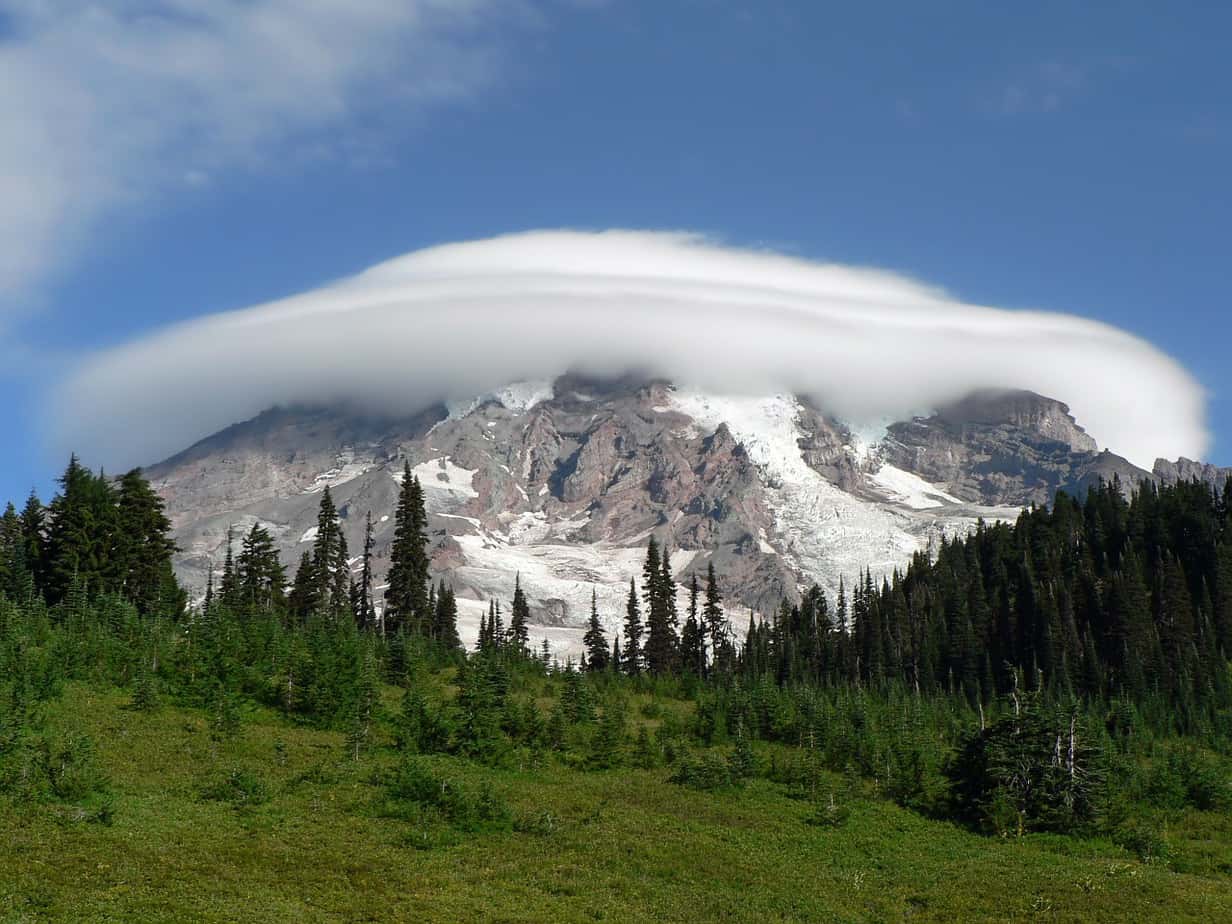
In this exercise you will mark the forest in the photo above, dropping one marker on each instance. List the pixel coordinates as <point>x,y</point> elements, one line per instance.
<point>1032,721</point>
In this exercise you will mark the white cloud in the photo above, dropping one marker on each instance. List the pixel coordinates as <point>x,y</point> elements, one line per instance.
<point>453,321</point>
<point>104,105</point>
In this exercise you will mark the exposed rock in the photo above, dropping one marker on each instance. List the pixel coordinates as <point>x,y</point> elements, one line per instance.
<point>1188,470</point>
<point>1004,448</point>
<point>563,483</point>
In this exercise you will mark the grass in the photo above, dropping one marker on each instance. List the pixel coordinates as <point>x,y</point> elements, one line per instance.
<point>278,825</point>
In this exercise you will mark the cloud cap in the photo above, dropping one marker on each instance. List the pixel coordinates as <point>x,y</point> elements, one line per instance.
<point>456,320</point>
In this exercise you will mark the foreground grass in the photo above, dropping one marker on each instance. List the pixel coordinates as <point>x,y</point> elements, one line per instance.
<point>619,845</point>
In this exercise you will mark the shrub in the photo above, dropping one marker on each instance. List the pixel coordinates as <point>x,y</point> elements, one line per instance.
<point>828,813</point>
<point>416,789</point>
<point>708,772</point>
<point>1186,778</point>
<point>240,787</point>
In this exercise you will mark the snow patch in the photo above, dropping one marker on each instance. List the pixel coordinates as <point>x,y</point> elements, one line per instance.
<point>310,534</point>
<point>520,397</point>
<point>442,475</point>
<point>909,489</point>
<point>346,468</point>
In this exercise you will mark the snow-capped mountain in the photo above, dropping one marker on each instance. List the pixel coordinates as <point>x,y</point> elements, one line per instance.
<point>563,482</point>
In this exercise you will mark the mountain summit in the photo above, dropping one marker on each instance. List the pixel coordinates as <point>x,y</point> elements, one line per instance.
<point>563,482</point>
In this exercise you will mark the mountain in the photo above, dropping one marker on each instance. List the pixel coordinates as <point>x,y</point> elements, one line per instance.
<point>563,482</point>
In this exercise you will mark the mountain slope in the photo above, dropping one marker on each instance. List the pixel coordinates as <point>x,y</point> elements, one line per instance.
<point>563,483</point>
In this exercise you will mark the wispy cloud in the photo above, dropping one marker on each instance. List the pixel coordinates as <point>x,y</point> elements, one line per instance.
<point>107,105</point>
<point>454,321</point>
<point>1045,88</point>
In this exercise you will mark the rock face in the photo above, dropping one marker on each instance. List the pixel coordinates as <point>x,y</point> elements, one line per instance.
<point>562,483</point>
<point>1188,470</point>
<point>1004,448</point>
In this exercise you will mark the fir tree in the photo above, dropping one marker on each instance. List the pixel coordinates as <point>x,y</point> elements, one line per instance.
<point>633,632</point>
<point>363,609</point>
<point>692,639</point>
<point>261,576</point>
<point>659,590</point>
<point>445,619</point>
<point>144,547</point>
<point>406,600</point>
<point>714,622</point>
<point>519,619</point>
<point>594,639</point>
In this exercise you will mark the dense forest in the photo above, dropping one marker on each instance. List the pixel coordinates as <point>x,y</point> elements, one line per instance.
<point>1067,673</point>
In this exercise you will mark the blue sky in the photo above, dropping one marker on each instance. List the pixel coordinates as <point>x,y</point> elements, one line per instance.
<point>1073,157</point>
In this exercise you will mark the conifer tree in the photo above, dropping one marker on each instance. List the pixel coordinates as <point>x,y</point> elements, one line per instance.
<point>633,632</point>
<point>659,590</point>
<point>594,639</point>
<point>262,578</point>
<point>445,621</point>
<point>303,601</point>
<point>144,549</point>
<point>229,585</point>
<point>81,535</point>
<point>714,622</point>
<point>519,619</point>
<point>406,600</point>
<point>363,609</point>
<point>12,553</point>
<point>33,531</point>
<point>692,639</point>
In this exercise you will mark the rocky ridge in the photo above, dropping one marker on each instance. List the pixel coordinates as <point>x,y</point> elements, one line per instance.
<point>563,482</point>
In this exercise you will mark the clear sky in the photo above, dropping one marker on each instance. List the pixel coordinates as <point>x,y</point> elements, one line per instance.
<point>158,164</point>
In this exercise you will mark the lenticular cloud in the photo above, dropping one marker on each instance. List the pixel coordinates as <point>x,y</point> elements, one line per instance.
<point>453,321</point>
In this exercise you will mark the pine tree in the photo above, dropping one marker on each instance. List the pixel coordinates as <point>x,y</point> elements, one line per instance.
<point>363,609</point>
<point>692,639</point>
<point>659,590</point>
<point>144,548</point>
<point>303,601</point>
<point>714,622</point>
<point>519,619</point>
<point>330,561</point>
<point>406,600</point>
<point>594,639</point>
<point>445,620</point>
<point>229,585</point>
<point>262,578</point>
<point>633,632</point>
<point>33,531</point>
<point>82,535</point>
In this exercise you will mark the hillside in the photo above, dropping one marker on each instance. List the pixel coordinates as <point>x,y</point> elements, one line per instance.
<point>562,483</point>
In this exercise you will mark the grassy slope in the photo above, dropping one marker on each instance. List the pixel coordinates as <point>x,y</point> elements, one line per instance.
<point>625,845</point>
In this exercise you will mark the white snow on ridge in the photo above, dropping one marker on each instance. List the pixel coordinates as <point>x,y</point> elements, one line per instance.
<point>822,531</point>
<point>442,475</point>
<point>910,490</point>
<point>347,468</point>
<point>522,396</point>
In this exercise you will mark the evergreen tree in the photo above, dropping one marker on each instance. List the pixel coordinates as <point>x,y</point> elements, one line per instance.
<point>594,639</point>
<point>406,600</point>
<point>81,537</point>
<point>261,576</point>
<point>692,639</point>
<point>363,609</point>
<point>633,632</point>
<point>714,622</point>
<point>304,601</point>
<point>659,590</point>
<point>519,619</point>
<point>144,547</point>
<point>445,620</point>
<point>33,531</point>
